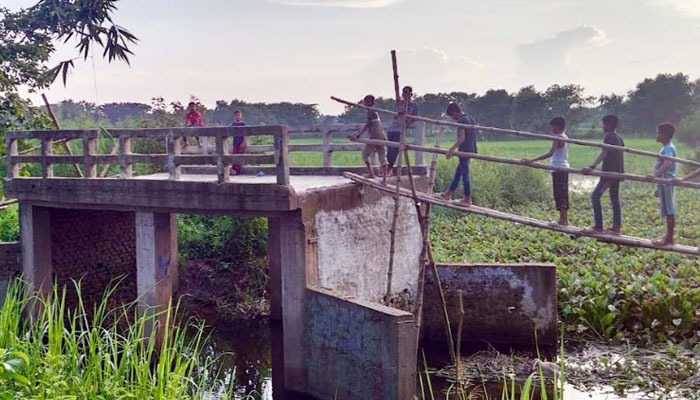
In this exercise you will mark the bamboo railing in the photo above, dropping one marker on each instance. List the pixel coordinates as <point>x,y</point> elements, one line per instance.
<point>532,135</point>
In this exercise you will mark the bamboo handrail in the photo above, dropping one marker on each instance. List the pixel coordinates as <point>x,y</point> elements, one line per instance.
<point>621,240</point>
<point>512,161</point>
<point>528,134</point>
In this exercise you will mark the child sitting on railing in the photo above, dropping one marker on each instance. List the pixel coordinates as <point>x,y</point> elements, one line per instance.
<point>666,169</point>
<point>376,131</point>
<point>559,157</point>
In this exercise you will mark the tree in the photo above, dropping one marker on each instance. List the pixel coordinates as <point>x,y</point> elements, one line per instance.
<point>567,101</point>
<point>492,109</point>
<point>117,112</point>
<point>529,107</point>
<point>666,97</point>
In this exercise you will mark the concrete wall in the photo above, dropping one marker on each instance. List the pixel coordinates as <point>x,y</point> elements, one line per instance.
<point>97,246</point>
<point>358,350</point>
<point>353,249</point>
<point>504,305</point>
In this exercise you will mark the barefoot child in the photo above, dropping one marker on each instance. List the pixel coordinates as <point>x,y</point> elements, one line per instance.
<point>613,161</point>
<point>666,169</point>
<point>193,119</point>
<point>466,142</point>
<point>559,157</point>
<point>376,131</point>
<point>239,142</point>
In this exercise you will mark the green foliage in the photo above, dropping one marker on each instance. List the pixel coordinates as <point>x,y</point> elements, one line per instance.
<point>688,130</point>
<point>497,185</point>
<point>64,354</point>
<point>225,239</point>
<point>9,224</point>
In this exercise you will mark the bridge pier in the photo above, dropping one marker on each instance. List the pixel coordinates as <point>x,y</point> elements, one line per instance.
<point>35,235</point>
<point>156,260</point>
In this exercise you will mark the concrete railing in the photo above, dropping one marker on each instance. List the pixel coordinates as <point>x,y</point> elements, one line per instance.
<point>176,155</point>
<point>173,159</point>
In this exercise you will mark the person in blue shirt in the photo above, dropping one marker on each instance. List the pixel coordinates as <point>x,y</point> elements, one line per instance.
<point>666,169</point>
<point>240,142</point>
<point>466,142</point>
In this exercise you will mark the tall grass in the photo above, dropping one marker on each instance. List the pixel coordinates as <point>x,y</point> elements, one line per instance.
<point>99,353</point>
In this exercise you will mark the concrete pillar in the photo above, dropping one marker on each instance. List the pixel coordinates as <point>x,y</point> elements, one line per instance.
<point>35,233</point>
<point>287,290</point>
<point>156,237</point>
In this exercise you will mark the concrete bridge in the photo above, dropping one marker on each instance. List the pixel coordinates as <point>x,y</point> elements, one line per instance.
<point>328,250</point>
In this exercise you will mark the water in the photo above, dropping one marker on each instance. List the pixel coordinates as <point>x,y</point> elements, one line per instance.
<point>243,352</point>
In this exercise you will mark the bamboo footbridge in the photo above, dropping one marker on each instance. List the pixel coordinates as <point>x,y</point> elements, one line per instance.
<point>429,199</point>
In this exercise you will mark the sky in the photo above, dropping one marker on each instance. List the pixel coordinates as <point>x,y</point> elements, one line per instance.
<point>307,50</point>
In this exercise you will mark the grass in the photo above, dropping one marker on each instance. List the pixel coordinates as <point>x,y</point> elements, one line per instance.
<point>99,353</point>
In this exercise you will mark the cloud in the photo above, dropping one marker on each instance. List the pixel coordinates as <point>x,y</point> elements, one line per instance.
<point>548,60</point>
<point>685,7</point>
<point>339,3</point>
<point>427,69</point>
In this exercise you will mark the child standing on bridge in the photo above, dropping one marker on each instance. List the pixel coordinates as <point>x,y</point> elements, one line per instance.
<point>466,142</point>
<point>666,169</point>
<point>613,161</point>
<point>559,157</point>
<point>240,142</point>
<point>193,119</point>
<point>392,153</point>
<point>376,131</point>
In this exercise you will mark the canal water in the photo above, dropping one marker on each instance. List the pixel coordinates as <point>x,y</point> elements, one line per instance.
<point>243,353</point>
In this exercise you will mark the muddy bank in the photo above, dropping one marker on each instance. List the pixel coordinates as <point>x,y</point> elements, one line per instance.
<point>220,292</point>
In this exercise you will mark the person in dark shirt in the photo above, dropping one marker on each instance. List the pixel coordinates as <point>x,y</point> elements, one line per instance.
<point>613,161</point>
<point>466,142</point>
<point>394,131</point>
<point>376,132</point>
<point>240,142</point>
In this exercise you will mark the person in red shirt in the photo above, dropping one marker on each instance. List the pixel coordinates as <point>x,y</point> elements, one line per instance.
<point>193,119</point>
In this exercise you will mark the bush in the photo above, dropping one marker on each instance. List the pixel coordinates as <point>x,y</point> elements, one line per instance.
<point>221,238</point>
<point>497,185</point>
<point>9,224</point>
<point>688,130</point>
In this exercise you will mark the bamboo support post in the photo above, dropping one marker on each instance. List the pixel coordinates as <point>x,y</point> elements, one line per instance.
<point>514,132</point>
<point>399,167</point>
<point>58,127</point>
<point>458,351</point>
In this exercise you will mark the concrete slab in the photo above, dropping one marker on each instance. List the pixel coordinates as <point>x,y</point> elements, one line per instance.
<point>298,183</point>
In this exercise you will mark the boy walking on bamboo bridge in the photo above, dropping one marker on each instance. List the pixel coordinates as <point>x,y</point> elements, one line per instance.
<point>376,131</point>
<point>466,142</point>
<point>666,169</point>
<point>613,161</point>
<point>394,129</point>
<point>559,157</point>
<point>240,142</point>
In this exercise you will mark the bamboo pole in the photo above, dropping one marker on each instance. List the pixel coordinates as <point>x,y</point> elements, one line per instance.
<point>459,341</point>
<point>512,161</point>
<point>58,127</point>
<point>424,213</point>
<point>621,240</point>
<point>392,246</point>
<point>692,163</point>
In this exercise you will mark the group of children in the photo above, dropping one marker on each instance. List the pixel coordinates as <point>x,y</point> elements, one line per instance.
<point>558,154</point>
<point>612,162</point>
<point>193,118</point>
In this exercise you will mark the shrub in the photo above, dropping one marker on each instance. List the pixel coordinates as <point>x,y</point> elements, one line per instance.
<point>497,185</point>
<point>688,130</point>
<point>222,238</point>
<point>9,224</point>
